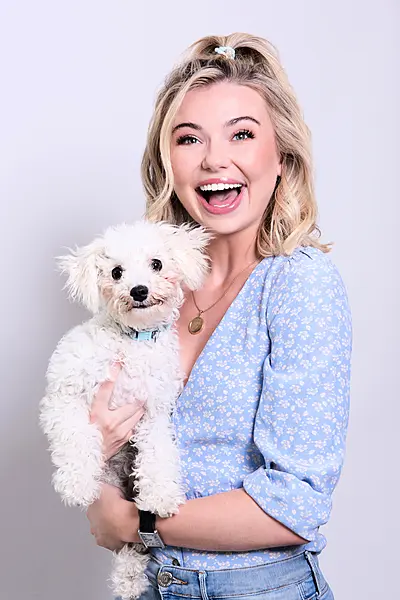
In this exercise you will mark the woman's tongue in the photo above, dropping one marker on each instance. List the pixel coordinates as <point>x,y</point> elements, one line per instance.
<point>223,197</point>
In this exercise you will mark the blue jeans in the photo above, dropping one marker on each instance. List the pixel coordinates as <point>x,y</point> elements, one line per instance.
<point>297,578</point>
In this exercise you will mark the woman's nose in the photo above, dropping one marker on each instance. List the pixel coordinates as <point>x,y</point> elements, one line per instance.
<point>216,157</point>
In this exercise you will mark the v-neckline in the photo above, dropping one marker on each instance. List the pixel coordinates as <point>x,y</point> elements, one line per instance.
<point>220,325</point>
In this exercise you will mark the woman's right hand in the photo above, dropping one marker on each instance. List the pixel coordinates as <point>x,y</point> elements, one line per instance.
<point>116,425</point>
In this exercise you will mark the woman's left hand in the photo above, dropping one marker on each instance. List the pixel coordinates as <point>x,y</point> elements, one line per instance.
<point>106,516</point>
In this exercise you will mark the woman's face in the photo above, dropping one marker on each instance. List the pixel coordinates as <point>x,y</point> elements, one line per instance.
<point>224,157</point>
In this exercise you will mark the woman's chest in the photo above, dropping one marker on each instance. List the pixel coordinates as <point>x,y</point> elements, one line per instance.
<point>221,395</point>
<point>215,320</point>
<point>191,345</point>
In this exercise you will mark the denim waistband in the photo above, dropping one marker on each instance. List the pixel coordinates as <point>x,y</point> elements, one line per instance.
<point>228,583</point>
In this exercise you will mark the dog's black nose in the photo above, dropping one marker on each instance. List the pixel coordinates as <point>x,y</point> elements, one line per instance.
<point>139,293</point>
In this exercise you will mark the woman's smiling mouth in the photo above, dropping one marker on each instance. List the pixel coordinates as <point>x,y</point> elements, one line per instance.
<point>220,197</point>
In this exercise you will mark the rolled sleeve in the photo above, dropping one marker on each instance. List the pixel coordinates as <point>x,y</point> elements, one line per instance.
<point>301,421</point>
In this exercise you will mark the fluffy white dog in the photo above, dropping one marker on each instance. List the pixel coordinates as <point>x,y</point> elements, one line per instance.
<point>132,279</point>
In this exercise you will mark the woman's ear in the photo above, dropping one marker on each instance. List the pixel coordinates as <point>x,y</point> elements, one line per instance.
<point>82,271</point>
<point>188,244</point>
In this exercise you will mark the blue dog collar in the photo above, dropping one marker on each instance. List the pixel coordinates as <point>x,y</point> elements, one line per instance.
<point>147,334</point>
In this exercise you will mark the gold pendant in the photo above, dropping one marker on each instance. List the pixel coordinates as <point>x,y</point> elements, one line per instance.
<point>196,325</point>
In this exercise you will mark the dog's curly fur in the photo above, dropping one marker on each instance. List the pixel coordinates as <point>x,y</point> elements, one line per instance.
<point>103,275</point>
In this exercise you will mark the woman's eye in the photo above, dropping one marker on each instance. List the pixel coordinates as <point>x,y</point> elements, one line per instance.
<point>156,264</point>
<point>244,134</point>
<point>117,273</point>
<point>186,140</point>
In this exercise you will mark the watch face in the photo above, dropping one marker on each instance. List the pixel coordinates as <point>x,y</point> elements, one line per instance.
<point>151,540</point>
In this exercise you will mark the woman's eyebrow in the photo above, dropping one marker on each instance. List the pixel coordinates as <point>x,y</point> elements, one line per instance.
<point>187,124</point>
<point>227,124</point>
<point>238,119</point>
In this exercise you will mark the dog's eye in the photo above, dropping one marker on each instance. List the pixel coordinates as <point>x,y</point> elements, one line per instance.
<point>156,264</point>
<point>117,273</point>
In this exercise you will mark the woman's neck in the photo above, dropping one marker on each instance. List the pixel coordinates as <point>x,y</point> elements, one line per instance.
<point>229,255</point>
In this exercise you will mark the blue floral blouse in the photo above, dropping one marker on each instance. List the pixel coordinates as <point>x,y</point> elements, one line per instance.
<point>266,405</point>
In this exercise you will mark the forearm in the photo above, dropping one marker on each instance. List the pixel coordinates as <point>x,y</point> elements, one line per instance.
<point>230,521</point>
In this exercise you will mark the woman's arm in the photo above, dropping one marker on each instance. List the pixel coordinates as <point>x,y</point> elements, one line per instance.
<point>230,521</point>
<point>301,423</point>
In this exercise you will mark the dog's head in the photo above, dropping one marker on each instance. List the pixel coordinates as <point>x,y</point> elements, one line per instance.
<point>137,272</point>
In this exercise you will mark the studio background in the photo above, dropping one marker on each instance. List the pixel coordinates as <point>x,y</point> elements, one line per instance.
<point>78,81</point>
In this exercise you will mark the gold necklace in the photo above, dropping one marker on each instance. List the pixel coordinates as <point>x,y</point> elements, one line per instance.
<point>196,325</point>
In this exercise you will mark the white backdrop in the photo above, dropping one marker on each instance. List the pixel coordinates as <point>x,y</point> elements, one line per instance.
<point>78,79</point>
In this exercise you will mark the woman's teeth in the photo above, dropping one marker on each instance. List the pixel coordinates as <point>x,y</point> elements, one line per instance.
<point>220,195</point>
<point>219,187</point>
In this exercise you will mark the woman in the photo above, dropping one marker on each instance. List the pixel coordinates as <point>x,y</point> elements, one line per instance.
<point>266,343</point>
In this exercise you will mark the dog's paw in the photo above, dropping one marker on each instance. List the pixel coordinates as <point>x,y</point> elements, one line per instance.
<point>164,507</point>
<point>163,513</point>
<point>73,491</point>
<point>128,575</point>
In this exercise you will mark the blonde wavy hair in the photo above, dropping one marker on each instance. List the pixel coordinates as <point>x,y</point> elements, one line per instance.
<point>290,217</point>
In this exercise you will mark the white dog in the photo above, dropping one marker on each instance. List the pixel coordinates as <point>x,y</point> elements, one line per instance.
<point>132,279</point>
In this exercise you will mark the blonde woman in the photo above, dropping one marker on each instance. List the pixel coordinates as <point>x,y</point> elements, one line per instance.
<point>266,343</point>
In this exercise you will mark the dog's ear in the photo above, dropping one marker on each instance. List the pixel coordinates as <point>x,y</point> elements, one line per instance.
<point>188,248</point>
<point>81,267</point>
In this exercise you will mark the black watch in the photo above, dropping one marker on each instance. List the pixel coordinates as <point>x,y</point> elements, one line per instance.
<point>147,531</point>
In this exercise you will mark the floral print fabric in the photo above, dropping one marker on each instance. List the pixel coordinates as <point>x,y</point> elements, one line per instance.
<point>266,405</point>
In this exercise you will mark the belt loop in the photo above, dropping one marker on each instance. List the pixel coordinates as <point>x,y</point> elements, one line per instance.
<point>203,589</point>
<point>314,570</point>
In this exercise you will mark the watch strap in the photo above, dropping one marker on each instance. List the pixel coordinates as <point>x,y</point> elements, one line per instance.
<point>147,533</point>
<point>147,521</point>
